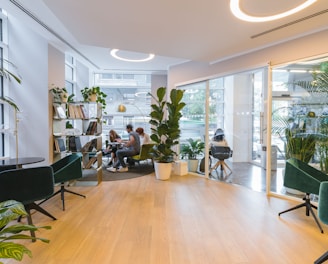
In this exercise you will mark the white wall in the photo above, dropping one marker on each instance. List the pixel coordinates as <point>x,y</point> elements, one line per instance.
<point>308,46</point>
<point>29,52</point>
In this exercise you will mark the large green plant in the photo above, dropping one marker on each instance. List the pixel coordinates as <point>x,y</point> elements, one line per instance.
<point>298,144</point>
<point>192,149</point>
<point>9,211</point>
<point>165,117</point>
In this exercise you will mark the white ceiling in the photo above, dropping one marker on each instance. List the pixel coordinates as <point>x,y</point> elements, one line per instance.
<point>174,30</point>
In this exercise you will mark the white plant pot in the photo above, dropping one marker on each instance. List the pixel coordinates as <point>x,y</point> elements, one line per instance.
<point>162,170</point>
<point>193,165</point>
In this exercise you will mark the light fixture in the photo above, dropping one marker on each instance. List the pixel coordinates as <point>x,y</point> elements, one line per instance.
<point>121,108</point>
<point>235,9</point>
<point>114,52</point>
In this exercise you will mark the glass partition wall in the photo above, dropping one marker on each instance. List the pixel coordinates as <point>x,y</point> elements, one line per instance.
<point>299,117</point>
<point>233,103</point>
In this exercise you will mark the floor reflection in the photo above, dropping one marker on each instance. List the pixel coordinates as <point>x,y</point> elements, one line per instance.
<point>251,176</point>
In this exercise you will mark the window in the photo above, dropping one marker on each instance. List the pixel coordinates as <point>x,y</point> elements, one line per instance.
<point>69,73</point>
<point>3,51</point>
<point>130,90</point>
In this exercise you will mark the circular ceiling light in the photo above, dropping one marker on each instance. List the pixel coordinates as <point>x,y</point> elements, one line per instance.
<point>235,9</point>
<point>114,52</point>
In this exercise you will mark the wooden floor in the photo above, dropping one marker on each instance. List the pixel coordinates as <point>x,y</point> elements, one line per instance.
<point>187,219</point>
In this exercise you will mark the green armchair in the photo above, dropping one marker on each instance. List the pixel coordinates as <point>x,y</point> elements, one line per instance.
<point>66,169</point>
<point>302,177</point>
<point>323,214</point>
<point>27,186</point>
<point>144,153</point>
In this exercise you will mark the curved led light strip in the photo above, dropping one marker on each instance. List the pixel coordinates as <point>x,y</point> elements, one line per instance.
<point>235,9</point>
<point>113,52</point>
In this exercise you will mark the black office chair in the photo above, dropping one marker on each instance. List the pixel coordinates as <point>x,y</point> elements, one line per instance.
<point>27,186</point>
<point>303,177</point>
<point>221,153</point>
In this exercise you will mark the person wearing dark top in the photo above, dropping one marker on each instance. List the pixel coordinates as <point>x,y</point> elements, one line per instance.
<point>130,148</point>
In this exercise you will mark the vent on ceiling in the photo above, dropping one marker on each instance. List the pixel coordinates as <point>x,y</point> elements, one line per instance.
<point>37,20</point>
<point>290,23</point>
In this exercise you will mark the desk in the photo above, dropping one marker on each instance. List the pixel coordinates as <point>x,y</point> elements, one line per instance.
<point>20,161</point>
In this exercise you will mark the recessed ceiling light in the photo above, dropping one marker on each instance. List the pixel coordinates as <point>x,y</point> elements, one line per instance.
<point>235,9</point>
<point>114,52</point>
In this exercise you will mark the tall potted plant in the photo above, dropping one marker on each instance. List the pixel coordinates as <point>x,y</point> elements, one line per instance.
<point>164,118</point>
<point>191,151</point>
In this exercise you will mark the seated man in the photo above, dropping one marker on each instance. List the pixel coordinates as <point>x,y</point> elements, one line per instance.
<point>130,148</point>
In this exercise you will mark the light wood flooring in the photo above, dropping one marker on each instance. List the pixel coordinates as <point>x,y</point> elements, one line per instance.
<point>187,219</point>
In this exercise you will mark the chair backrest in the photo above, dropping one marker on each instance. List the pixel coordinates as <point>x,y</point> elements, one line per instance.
<point>221,152</point>
<point>145,150</point>
<point>323,202</point>
<point>303,177</point>
<point>26,185</point>
<point>7,167</point>
<point>67,168</point>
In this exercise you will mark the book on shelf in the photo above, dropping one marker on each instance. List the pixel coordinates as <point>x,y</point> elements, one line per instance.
<point>59,111</point>
<point>59,145</point>
<point>74,144</point>
<point>71,112</point>
<point>90,162</point>
<point>84,111</point>
<point>92,128</point>
<point>90,146</point>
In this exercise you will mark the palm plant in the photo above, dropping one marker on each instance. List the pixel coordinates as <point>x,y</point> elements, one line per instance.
<point>298,144</point>
<point>192,149</point>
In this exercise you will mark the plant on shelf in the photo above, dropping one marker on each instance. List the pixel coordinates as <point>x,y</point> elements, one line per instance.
<point>94,94</point>
<point>60,95</point>
<point>164,118</point>
<point>9,211</point>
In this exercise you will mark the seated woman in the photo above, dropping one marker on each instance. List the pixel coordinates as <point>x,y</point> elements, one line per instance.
<point>218,139</point>
<point>144,137</point>
<point>113,137</point>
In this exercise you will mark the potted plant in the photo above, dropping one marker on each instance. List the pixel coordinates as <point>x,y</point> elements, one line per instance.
<point>94,94</point>
<point>11,210</point>
<point>164,118</point>
<point>60,94</point>
<point>191,151</point>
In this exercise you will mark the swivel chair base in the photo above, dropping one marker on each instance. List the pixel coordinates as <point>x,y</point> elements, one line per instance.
<point>62,190</point>
<point>309,209</point>
<point>322,259</point>
<point>28,208</point>
<point>223,167</point>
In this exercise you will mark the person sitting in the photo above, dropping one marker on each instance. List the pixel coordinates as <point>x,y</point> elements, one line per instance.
<point>144,137</point>
<point>218,139</point>
<point>113,137</point>
<point>130,148</point>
